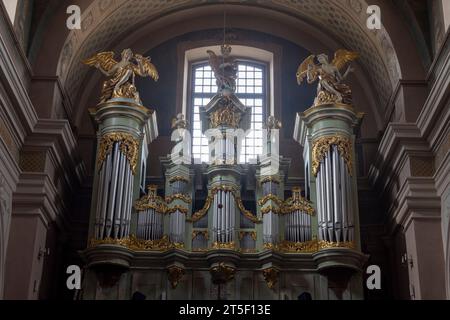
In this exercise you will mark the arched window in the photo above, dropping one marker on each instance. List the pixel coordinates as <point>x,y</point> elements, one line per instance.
<point>251,90</point>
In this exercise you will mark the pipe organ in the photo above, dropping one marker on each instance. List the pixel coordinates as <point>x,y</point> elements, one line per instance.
<point>226,217</point>
<point>297,217</point>
<point>150,214</point>
<point>333,187</point>
<point>123,126</point>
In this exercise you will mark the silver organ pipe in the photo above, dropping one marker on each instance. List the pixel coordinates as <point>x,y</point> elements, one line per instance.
<point>350,209</point>
<point>324,201</point>
<point>318,206</point>
<point>336,194</point>
<point>215,218</point>
<point>115,194</point>
<point>298,221</point>
<point>119,214</point>
<point>232,216</point>
<point>222,215</point>
<point>334,202</point>
<point>113,186</point>
<point>329,185</point>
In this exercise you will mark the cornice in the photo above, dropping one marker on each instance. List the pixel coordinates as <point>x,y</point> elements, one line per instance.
<point>416,198</point>
<point>36,194</point>
<point>16,74</point>
<point>439,77</point>
<point>399,140</point>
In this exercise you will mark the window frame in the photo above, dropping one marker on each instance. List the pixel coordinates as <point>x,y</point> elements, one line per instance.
<point>191,95</point>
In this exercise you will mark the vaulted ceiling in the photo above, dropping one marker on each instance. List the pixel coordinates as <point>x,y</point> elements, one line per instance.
<point>387,55</point>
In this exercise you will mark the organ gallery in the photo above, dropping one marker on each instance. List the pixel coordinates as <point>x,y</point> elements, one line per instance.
<point>224,150</point>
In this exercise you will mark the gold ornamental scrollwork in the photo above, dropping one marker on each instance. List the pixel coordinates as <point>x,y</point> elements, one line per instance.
<point>225,116</point>
<point>224,245</point>
<point>272,179</point>
<point>151,201</point>
<point>270,208</point>
<point>251,233</point>
<point>129,146</point>
<point>178,178</point>
<point>136,244</point>
<point>310,246</point>
<point>271,277</point>
<point>268,197</point>
<point>202,212</point>
<point>174,276</point>
<point>323,144</point>
<point>297,203</point>
<point>173,209</point>
<point>183,197</point>
<point>196,233</point>
<point>222,273</point>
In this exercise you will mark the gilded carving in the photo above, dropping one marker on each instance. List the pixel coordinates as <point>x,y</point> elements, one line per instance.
<point>173,209</point>
<point>136,244</point>
<point>270,208</point>
<point>272,179</point>
<point>183,197</point>
<point>151,201</point>
<point>199,214</point>
<point>330,89</point>
<point>323,144</point>
<point>195,233</point>
<point>224,245</point>
<point>310,246</point>
<point>174,275</point>
<point>251,233</point>
<point>129,146</point>
<point>297,202</point>
<point>178,178</point>
<point>271,197</point>
<point>271,277</point>
<point>122,73</point>
<point>227,115</point>
<point>222,273</point>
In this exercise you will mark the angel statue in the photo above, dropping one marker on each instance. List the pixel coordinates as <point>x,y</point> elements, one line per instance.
<point>121,74</point>
<point>179,122</point>
<point>225,70</point>
<point>330,88</point>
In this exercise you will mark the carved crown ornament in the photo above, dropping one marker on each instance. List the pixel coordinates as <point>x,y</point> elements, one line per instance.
<point>294,203</point>
<point>323,144</point>
<point>152,201</point>
<point>237,198</point>
<point>128,145</point>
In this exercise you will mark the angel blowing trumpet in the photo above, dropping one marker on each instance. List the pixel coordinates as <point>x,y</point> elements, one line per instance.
<point>330,88</point>
<point>121,74</point>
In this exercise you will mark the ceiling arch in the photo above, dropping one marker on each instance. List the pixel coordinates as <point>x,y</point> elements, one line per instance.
<point>105,21</point>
